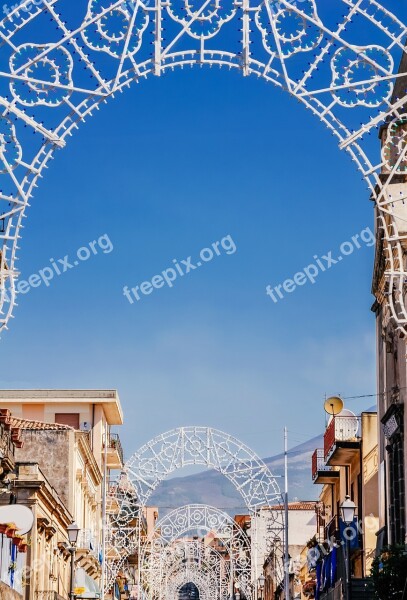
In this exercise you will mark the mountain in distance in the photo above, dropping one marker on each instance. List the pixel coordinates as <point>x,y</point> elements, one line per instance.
<point>210,487</point>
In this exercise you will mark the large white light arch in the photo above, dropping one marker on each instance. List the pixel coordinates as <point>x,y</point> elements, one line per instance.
<point>174,450</point>
<point>202,520</point>
<point>207,586</point>
<point>339,58</point>
<point>185,561</point>
<point>208,447</point>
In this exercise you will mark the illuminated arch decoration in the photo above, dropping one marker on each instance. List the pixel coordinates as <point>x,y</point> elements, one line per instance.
<point>187,561</point>
<point>340,59</point>
<point>161,457</point>
<point>207,447</point>
<point>199,520</point>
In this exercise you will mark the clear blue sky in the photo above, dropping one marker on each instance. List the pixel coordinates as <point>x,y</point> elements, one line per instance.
<point>166,169</point>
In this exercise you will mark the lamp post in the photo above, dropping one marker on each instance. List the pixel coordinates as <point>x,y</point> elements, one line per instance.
<point>73,531</point>
<point>348,510</point>
<point>261,581</point>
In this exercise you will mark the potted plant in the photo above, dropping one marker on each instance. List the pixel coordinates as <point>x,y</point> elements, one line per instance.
<point>312,543</point>
<point>308,588</point>
<point>17,540</point>
<point>3,528</point>
<point>389,573</point>
<point>23,547</point>
<point>11,529</point>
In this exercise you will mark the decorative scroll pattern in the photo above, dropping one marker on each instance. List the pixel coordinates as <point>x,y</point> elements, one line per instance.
<point>341,61</point>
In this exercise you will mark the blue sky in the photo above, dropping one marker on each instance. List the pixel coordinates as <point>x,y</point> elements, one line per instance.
<point>168,168</point>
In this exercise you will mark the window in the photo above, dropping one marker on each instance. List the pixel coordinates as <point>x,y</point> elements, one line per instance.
<point>71,419</point>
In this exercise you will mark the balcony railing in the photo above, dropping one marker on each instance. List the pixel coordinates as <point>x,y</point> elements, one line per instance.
<point>340,429</point>
<point>318,463</point>
<point>88,541</point>
<point>114,446</point>
<point>332,529</point>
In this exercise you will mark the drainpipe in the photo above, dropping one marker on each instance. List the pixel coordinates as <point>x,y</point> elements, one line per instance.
<point>360,509</point>
<point>93,425</point>
<point>104,489</point>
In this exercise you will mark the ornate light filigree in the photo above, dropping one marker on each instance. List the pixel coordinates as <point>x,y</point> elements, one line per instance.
<point>152,464</point>
<point>201,521</point>
<point>186,561</point>
<point>340,59</point>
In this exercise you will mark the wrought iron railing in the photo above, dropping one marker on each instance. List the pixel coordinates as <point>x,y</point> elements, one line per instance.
<point>87,540</point>
<point>318,463</point>
<point>340,429</point>
<point>115,443</point>
<point>332,529</point>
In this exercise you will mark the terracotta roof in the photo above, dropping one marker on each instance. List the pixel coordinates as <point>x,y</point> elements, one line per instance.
<point>297,506</point>
<point>38,425</point>
<point>5,417</point>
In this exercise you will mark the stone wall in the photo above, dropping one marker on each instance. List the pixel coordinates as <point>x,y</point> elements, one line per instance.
<point>51,450</point>
<point>6,593</point>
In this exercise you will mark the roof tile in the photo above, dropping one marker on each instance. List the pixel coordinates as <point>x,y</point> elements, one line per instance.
<point>27,424</point>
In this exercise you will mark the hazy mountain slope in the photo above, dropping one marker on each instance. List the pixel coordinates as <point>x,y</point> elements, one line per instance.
<point>209,487</point>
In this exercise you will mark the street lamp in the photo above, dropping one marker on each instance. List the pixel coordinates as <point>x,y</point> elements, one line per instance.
<point>348,510</point>
<point>261,581</point>
<point>237,593</point>
<point>73,531</point>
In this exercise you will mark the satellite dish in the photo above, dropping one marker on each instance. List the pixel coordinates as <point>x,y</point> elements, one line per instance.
<point>333,405</point>
<point>20,515</point>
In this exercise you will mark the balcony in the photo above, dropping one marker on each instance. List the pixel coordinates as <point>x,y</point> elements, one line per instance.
<point>332,530</point>
<point>88,543</point>
<point>115,459</point>
<point>342,440</point>
<point>321,472</point>
<point>112,501</point>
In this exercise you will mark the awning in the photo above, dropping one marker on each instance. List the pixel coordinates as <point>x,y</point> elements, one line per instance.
<point>18,514</point>
<point>85,586</point>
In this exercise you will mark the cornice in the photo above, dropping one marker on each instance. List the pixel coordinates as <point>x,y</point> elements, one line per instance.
<point>90,460</point>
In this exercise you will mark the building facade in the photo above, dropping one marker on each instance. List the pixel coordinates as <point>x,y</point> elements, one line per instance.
<point>268,561</point>
<point>391,347</point>
<point>346,466</point>
<point>12,547</point>
<point>63,470</point>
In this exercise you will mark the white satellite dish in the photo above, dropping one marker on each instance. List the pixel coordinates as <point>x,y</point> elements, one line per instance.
<point>20,515</point>
<point>346,429</point>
